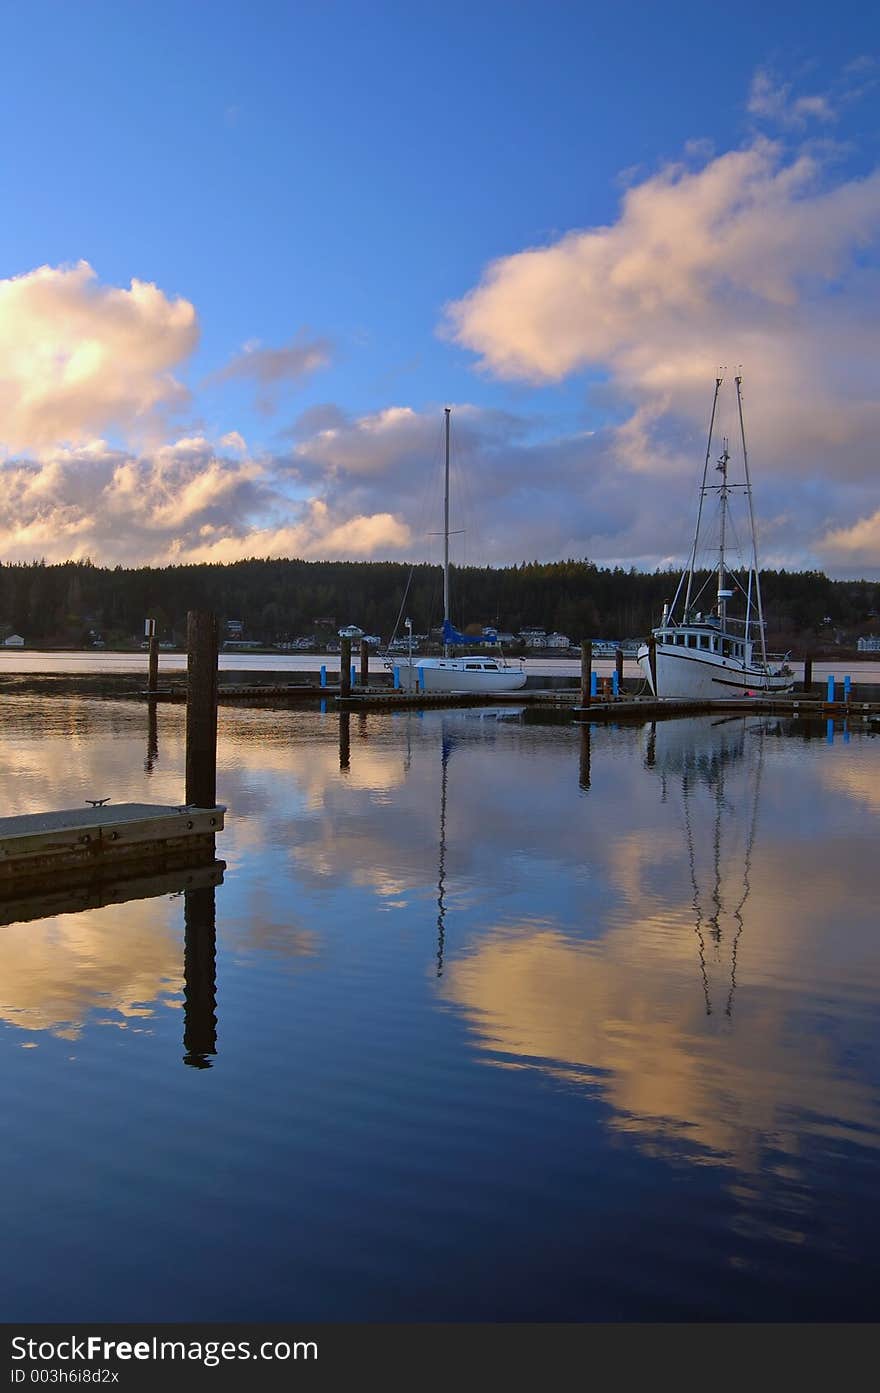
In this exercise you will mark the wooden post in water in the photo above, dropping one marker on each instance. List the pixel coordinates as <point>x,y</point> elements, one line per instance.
<point>808,672</point>
<point>618,668</point>
<point>201,709</point>
<point>153,661</point>
<point>586,670</point>
<point>345,668</point>
<point>365,663</point>
<point>199,977</point>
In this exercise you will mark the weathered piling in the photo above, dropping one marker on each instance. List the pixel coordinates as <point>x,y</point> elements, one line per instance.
<point>345,668</point>
<point>586,671</point>
<point>808,672</point>
<point>618,668</point>
<point>153,656</point>
<point>201,709</point>
<point>199,977</point>
<point>365,663</point>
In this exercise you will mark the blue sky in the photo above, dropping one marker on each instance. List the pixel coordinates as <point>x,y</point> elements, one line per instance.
<point>328,178</point>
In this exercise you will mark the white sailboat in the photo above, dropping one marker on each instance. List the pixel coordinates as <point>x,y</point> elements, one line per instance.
<point>473,672</point>
<point>700,653</point>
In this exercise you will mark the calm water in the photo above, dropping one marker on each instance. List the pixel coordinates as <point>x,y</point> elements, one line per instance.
<point>512,1022</point>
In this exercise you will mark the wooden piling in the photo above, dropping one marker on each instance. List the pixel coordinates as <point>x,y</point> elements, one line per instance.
<point>618,667</point>
<point>345,668</point>
<point>808,672</point>
<point>586,670</point>
<point>365,663</point>
<point>201,709</point>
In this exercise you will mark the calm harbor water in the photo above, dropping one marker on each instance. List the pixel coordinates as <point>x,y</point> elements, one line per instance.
<point>511,1021</point>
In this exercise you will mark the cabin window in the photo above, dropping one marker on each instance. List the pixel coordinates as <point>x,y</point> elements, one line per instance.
<point>473,667</point>
<point>725,648</point>
<point>691,640</point>
<point>490,667</point>
<point>704,640</point>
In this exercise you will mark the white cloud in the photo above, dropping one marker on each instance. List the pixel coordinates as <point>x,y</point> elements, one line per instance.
<point>78,358</point>
<point>758,258</point>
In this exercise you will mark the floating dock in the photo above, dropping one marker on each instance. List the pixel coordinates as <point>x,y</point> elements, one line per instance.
<point>82,845</point>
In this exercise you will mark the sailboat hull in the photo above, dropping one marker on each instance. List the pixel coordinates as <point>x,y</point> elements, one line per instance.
<point>684,675</point>
<point>460,675</point>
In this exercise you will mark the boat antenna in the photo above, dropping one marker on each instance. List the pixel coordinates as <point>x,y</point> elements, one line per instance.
<point>742,431</point>
<point>723,592</point>
<point>448,411</point>
<point>687,598</point>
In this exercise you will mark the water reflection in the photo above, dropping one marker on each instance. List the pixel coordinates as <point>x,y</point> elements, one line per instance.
<point>614,1007</point>
<point>489,990</point>
<point>200,977</point>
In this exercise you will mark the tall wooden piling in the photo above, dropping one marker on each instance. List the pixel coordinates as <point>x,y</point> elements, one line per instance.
<point>199,977</point>
<point>808,672</point>
<point>201,709</point>
<point>586,670</point>
<point>345,668</point>
<point>365,663</point>
<point>618,667</point>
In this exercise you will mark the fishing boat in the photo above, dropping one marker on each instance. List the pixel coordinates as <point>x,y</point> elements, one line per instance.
<point>699,652</point>
<point>472,672</point>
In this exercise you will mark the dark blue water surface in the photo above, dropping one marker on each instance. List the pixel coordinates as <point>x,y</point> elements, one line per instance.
<point>507,1021</point>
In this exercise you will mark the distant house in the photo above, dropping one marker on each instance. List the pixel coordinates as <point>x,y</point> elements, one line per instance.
<point>14,641</point>
<point>351,631</point>
<point>869,644</point>
<point>557,641</point>
<point>235,628</point>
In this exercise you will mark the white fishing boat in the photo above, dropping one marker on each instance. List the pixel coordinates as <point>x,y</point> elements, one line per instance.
<point>699,652</point>
<point>472,672</point>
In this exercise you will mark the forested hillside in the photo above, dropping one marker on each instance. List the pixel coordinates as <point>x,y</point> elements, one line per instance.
<point>278,600</point>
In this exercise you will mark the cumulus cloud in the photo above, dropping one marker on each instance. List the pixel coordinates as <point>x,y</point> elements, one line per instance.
<point>78,358</point>
<point>182,502</point>
<point>759,257</point>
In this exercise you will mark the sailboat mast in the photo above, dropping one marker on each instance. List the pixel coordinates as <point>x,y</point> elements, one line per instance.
<point>687,598</point>
<point>447,409</point>
<point>742,431</point>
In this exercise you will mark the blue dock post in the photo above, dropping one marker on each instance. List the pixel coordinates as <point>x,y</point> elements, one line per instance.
<point>420,679</point>
<point>830,686</point>
<point>397,679</point>
<point>847,687</point>
<point>615,684</point>
<point>353,674</point>
<point>323,674</point>
<point>594,684</point>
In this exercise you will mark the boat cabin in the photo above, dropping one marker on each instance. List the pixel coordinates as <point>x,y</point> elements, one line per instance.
<point>709,640</point>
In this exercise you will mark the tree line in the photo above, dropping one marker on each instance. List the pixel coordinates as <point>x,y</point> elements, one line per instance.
<point>70,603</point>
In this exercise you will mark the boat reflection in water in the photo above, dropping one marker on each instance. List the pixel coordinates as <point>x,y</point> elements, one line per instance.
<point>698,1052</point>
<point>714,784</point>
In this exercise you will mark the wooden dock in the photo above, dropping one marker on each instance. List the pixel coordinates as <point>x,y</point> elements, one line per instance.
<point>81,845</point>
<point>658,708</point>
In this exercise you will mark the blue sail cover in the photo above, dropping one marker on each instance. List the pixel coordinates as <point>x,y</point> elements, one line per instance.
<point>451,635</point>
